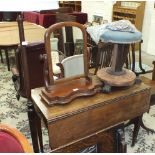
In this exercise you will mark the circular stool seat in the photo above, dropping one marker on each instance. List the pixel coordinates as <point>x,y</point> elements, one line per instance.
<point>121,37</point>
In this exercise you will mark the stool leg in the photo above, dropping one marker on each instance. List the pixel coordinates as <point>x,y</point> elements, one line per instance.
<point>7,59</point>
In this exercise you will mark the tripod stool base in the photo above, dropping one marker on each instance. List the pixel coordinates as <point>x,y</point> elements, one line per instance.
<point>126,79</point>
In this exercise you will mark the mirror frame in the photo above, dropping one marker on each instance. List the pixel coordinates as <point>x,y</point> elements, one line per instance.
<point>48,69</point>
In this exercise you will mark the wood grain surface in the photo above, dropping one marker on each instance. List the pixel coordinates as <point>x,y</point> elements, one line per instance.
<point>10,35</point>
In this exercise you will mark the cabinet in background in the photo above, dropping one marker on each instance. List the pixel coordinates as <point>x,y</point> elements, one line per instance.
<point>75,5</point>
<point>130,10</point>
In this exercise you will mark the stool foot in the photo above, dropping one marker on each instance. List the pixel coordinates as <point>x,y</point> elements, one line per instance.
<point>106,88</point>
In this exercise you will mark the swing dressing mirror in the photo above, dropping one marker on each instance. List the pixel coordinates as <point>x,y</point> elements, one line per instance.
<point>70,38</point>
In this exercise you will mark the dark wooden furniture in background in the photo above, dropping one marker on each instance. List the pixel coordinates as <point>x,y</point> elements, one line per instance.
<point>34,71</point>
<point>130,10</point>
<point>10,16</point>
<point>131,60</point>
<point>10,37</point>
<point>75,5</point>
<point>25,73</point>
<point>47,18</point>
<point>103,56</point>
<point>85,117</point>
<point>68,47</point>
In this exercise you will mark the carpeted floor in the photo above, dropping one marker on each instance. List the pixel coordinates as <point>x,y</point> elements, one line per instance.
<point>14,113</point>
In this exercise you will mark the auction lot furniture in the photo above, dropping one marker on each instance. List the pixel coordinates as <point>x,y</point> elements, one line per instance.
<point>10,36</point>
<point>133,11</point>
<point>25,75</point>
<point>82,120</point>
<point>48,18</point>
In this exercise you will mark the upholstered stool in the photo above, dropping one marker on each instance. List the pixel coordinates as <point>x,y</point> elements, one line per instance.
<point>116,75</point>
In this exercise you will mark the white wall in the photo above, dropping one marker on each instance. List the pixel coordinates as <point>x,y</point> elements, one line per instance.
<point>146,22</point>
<point>104,8</point>
<point>28,5</point>
<point>149,29</point>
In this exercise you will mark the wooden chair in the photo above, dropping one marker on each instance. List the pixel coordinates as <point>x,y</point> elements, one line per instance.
<point>13,141</point>
<point>7,50</point>
<point>93,48</point>
<point>104,53</point>
<point>137,67</point>
<point>8,16</point>
<point>103,56</point>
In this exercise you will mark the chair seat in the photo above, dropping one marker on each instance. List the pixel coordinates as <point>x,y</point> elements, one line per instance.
<point>8,144</point>
<point>13,141</point>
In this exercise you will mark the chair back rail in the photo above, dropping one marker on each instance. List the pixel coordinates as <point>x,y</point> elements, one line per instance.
<point>13,133</point>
